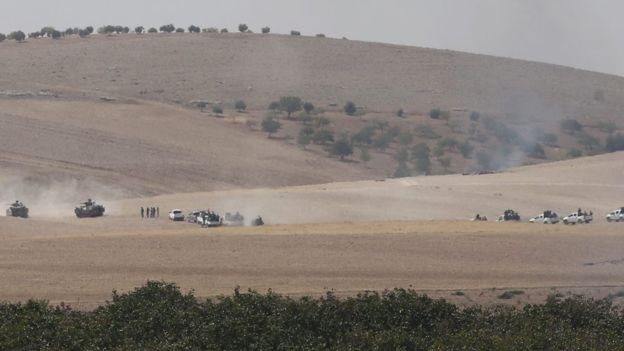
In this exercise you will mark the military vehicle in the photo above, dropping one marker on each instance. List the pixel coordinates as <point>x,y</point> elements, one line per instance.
<point>616,215</point>
<point>209,219</point>
<point>17,209</point>
<point>578,217</point>
<point>547,217</point>
<point>258,221</point>
<point>89,209</point>
<point>509,215</point>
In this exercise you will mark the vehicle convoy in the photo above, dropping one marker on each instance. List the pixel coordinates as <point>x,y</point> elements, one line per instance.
<point>234,220</point>
<point>176,215</point>
<point>209,219</point>
<point>578,217</point>
<point>192,216</point>
<point>509,215</point>
<point>616,215</point>
<point>547,217</point>
<point>89,209</point>
<point>17,209</point>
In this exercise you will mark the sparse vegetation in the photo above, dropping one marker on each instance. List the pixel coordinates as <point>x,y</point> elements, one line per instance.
<point>434,113</point>
<point>365,155</point>
<point>466,149</point>
<point>139,30</point>
<point>243,28</point>
<point>571,126</point>
<point>168,28</point>
<point>179,30</point>
<point>510,294</point>
<point>217,109</point>
<point>295,32</point>
<point>18,36</point>
<point>240,105</point>
<point>350,108</point>
<point>194,29</point>
<point>308,107</point>
<point>484,159</point>
<point>323,136</point>
<point>270,124</point>
<point>266,30</point>
<point>474,116</point>
<point>152,30</point>
<point>574,153</point>
<point>615,142</point>
<point>425,131</point>
<point>534,150</point>
<point>290,104</point>
<point>420,158</point>
<point>224,30</point>
<point>342,148</point>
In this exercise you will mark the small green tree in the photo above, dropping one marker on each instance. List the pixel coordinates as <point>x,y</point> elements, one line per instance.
<point>224,30</point>
<point>350,108</point>
<point>179,30</point>
<point>270,125</point>
<point>571,126</point>
<point>18,36</point>
<point>152,30</point>
<point>342,147</point>
<point>194,29</point>
<point>434,113</point>
<point>70,31</point>
<point>365,155</point>
<point>420,157</point>
<point>217,109</point>
<point>89,29</point>
<point>274,105</point>
<point>139,30</point>
<point>484,159</point>
<point>266,30</point>
<point>405,138</point>
<point>290,104</point>
<point>323,136</point>
<point>168,28</point>
<point>240,105</point>
<point>445,162</point>
<point>242,28</point>
<point>466,149</point>
<point>126,30</point>
<point>308,107</point>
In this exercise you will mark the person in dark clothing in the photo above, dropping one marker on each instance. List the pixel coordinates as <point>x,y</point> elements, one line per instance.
<point>157,212</point>
<point>142,212</point>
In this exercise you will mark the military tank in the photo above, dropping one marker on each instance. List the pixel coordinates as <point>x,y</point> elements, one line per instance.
<point>89,209</point>
<point>17,209</point>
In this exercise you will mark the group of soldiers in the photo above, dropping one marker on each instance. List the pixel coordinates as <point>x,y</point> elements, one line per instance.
<point>150,212</point>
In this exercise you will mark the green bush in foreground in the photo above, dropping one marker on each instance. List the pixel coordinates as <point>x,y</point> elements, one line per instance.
<point>160,316</point>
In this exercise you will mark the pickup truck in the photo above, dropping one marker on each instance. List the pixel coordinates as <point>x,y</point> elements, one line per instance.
<point>616,215</point>
<point>578,217</point>
<point>547,217</point>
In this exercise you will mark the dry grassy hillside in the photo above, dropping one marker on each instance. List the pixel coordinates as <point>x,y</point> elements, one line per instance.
<point>260,68</point>
<point>121,110</point>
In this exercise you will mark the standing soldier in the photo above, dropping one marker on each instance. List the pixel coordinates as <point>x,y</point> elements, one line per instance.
<point>157,211</point>
<point>142,212</point>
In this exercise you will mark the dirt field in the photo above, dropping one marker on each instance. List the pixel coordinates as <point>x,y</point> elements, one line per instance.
<point>382,239</point>
<point>81,262</point>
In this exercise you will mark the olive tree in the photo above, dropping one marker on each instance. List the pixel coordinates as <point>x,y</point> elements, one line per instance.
<point>139,30</point>
<point>242,28</point>
<point>290,104</point>
<point>270,124</point>
<point>342,148</point>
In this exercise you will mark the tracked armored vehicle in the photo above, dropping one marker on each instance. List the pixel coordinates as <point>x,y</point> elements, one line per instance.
<point>89,209</point>
<point>17,209</point>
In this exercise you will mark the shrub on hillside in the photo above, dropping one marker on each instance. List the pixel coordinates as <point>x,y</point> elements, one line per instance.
<point>588,141</point>
<point>308,107</point>
<point>194,29</point>
<point>434,113</point>
<point>571,126</point>
<point>534,150</point>
<point>224,30</point>
<point>152,30</point>
<point>242,28</point>
<point>405,138</point>
<point>425,131</point>
<point>383,141</point>
<point>240,105</point>
<point>270,124</point>
<point>466,149</point>
<point>321,121</point>
<point>350,108</point>
<point>290,104</point>
<point>18,36</point>
<point>365,155</point>
<point>179,30</point>
<point>139,30</point>
<point>342,148</point>
<point>167,28</point>
<point>420,158</point>
<point>615,142</point>
<point>401,171</point>
<point>266,30</point>
<point>323,136</point>
<point>217,109</point>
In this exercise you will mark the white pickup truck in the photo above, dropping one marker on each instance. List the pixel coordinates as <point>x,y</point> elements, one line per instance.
<point>616,215</point>
<point>547,217</point>
<point>578,218</point>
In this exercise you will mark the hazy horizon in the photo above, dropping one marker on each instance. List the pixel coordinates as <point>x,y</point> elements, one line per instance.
<point>577,33</point>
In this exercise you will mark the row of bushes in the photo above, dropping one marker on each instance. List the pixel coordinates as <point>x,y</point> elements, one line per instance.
<point>159,316</point>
